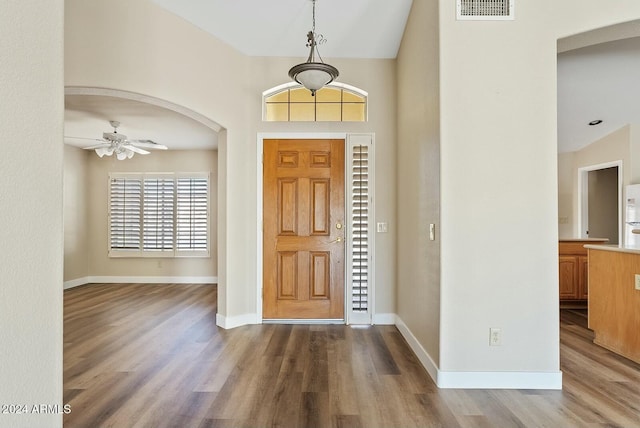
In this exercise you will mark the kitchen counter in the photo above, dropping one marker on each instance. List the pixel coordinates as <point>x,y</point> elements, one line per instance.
<point>613,247</point>
<point>614,300</point>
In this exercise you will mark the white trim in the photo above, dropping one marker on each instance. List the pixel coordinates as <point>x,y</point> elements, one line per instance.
<point>237,321</point>
<point>500,380</point>
<point>303,321</point>
<point>76,282</point>
<point>351,316</point>
<point>141,280</point>
<point>290,85</point>
<point>479,380</point>
<point>127,95</point>
<point>583,197</point>
<point>416,347</point>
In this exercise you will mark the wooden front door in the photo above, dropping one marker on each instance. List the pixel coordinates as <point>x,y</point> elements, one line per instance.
<point>303,229</point>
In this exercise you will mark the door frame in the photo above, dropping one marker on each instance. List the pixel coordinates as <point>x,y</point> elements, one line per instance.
<point>260,182</point>
<point>583,197</point>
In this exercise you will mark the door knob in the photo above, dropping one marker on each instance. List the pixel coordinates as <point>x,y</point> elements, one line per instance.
<point>338,239</point>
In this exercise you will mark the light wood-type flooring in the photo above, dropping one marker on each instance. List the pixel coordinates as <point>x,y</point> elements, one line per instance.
<point>141,355</point>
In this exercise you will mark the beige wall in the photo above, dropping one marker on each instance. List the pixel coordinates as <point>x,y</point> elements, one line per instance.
<point>418,191</point>
<point>76,213</point>
<point>499,182</point>
<point>566,211</point>
<point>31,111</point>
<point>100,264</point>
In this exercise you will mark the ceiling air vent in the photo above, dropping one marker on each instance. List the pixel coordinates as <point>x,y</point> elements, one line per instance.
<point>485,10</point>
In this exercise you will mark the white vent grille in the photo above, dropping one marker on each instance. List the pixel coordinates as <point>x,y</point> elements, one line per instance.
<point>485,10</point>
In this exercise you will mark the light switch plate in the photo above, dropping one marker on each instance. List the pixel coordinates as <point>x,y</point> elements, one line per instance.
<point>432,232</point>
<point>382,227</point>
<point>637,282</point>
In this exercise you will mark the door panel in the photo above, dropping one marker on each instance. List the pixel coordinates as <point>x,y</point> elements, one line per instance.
<point>303,234</point>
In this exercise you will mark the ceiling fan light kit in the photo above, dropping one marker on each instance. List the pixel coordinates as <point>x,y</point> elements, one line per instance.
<point>312,74</point>
<point>118,144</point>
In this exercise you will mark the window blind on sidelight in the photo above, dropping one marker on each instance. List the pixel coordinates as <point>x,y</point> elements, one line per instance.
<point>360,228</point>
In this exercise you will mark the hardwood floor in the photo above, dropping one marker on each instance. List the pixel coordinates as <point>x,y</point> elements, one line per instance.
<point>141,355</point>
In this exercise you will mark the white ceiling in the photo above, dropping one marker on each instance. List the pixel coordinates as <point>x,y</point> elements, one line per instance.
<point>598,82</point>
<point>353,28</point>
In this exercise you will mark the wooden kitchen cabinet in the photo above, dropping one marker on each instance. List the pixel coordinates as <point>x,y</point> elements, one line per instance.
<point>574,272</point>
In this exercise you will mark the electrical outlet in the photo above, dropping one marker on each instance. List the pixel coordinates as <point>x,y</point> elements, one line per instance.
<point>637,282</point>
<point>495,336</point>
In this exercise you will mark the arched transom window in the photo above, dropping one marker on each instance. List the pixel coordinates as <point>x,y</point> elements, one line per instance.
<point>335,102</point>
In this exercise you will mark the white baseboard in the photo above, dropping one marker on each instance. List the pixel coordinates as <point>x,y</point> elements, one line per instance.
<point>237,321</point>
<point>141,280</point>
<point>384,319</point>
<point>500,380</point>
<point>76,282</point>
<point>479,380</point>
<point>416,347</point>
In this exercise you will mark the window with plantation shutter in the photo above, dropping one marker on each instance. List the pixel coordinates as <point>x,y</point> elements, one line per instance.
<point>193,214</point>
<point>360,212</point>
<point>158,215</point>
<point>124,213</point>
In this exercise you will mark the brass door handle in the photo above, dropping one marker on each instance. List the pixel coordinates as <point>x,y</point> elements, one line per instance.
<point>338,239</point>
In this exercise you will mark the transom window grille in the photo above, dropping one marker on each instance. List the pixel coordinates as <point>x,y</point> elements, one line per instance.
<point>333,103</point>
<point>360,217</point>
<point>158,215</point>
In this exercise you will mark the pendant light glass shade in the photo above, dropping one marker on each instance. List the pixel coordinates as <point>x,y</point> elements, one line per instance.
<point>312,74</point>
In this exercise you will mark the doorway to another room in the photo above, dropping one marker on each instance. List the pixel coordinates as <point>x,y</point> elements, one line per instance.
<point>600,201</point>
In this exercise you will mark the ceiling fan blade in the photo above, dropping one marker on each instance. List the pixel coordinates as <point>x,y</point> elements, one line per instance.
<point>133,148</point>
<point>98,146</point>
<point>84,138</point>
<point>148,144</point>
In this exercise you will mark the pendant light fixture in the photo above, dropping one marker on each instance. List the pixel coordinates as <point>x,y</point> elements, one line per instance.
<point>311,74</point>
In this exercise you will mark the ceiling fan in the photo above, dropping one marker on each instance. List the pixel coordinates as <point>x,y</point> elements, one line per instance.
<point>112,142</point>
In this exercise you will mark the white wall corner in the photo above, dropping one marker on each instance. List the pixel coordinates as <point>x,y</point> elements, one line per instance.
<point>237,321</point>
<point>424,357</point>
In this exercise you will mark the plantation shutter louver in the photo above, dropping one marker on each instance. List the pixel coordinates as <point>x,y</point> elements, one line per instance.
<point>192,214</point>
<point>158,218</point>
<point>360,228</point>
<point>124,214</point>
<point>160,214</point>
